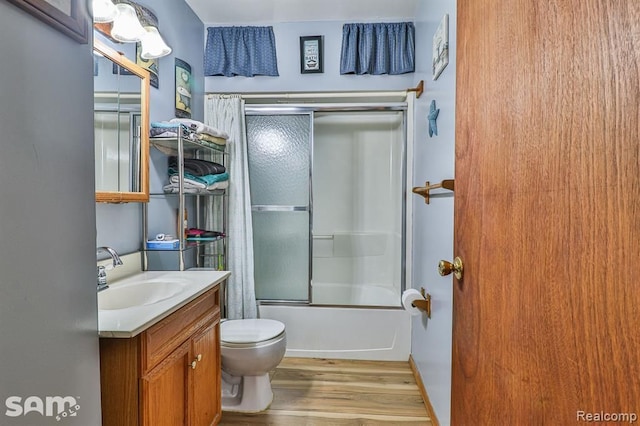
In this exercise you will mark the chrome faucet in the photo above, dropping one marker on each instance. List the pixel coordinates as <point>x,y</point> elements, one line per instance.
<point>102,271</point>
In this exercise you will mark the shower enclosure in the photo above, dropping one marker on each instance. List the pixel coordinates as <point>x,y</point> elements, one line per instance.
<point>330,224</point>
<point>327,201</point>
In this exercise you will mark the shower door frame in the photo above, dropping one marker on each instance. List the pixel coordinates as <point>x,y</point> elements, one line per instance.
<point>310,109</point>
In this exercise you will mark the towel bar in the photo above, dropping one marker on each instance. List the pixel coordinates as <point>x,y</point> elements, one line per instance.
<point>425,190</point>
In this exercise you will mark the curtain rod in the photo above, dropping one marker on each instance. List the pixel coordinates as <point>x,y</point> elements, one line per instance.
<point>318,95</point>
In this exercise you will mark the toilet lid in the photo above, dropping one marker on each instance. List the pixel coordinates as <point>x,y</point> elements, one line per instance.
<point>250,330</point>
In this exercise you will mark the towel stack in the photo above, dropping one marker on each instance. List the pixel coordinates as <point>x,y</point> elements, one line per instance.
<point>200,176</point>
<point>202,132</point>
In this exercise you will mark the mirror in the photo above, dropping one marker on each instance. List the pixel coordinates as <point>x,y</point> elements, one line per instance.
<point>121,123</point>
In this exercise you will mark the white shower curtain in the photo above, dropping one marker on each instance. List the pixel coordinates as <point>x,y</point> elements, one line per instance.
<point>226,112</point>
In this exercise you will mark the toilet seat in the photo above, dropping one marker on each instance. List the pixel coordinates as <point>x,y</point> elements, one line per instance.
<point>249,332</point>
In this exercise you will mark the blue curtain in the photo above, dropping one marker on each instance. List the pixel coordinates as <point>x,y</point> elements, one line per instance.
<point>245,51</point>
<point>384,48</point>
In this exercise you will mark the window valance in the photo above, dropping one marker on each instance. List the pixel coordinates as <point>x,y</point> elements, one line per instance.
<point>378,48</point>
<point>244,51</point>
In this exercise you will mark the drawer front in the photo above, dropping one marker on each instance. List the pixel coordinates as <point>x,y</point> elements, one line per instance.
<point>164,337</point>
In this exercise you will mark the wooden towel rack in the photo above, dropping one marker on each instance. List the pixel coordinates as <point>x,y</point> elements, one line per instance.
<point>426,189</point>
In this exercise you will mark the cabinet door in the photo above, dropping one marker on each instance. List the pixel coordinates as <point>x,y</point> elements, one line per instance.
<point>165,390</point>
<point>206,398</point>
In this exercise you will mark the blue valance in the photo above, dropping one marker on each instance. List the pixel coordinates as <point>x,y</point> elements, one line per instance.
<point>245,51</point>
<point>384,48</point>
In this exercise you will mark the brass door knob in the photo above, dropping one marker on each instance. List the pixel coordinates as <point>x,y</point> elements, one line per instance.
<point>446,268</point>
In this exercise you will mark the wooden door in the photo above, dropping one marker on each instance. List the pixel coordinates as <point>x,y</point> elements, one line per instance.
<point>165,390</point>
<point>547,212</point>
<point>206,393</point>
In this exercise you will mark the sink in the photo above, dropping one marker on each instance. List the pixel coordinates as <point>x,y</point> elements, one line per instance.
<point>138,294</point>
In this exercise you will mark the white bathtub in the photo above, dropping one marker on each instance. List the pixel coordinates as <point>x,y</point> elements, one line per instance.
<point>355,295</point>
<point>344,333</point>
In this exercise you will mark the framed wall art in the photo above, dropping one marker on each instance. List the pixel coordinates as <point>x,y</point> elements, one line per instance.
<point>183,89</point>
<point>311,55</point>
<point>440,56</point>
<point>64,15</point>
<point>150,65</point>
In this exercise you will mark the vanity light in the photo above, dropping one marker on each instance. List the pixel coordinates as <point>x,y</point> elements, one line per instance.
<point>104,11</point>
<point>153,46</point>
<point>126,27</point>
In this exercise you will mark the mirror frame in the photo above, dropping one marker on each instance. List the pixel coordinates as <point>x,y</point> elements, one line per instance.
<point>143,194</point>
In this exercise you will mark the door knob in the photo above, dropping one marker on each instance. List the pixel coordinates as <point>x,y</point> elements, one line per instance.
<point>446,268</point>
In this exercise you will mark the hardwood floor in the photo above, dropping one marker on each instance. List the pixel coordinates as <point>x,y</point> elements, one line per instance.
<point>309,392</point>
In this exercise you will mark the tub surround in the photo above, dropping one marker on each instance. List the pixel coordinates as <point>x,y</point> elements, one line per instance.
<point>129,322</point>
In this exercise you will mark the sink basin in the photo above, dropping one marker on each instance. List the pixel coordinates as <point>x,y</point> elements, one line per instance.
<point>138,294</point>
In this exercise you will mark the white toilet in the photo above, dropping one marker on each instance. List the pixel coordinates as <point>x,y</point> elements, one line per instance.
<point>250,349</point>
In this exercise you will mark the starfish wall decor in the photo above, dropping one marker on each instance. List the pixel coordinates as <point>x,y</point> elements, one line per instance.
<point>433,116</point>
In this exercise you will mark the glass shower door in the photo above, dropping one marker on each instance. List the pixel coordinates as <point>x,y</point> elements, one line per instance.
<point>279,174</point>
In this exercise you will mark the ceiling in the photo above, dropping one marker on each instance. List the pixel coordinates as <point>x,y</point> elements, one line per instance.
<point>252,12</point>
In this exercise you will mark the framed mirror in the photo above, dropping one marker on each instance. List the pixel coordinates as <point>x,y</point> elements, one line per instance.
<point>121,123</point>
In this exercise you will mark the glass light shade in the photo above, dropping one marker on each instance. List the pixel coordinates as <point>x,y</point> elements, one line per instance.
<point>126,27</point>
<point>104,11</point>
<point>153,46</point>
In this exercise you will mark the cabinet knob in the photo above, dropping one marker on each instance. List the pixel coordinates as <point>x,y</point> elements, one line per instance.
<point>193,365</point>
<point>199,357</point>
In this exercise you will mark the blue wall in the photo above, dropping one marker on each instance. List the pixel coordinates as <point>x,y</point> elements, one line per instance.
<point>119,225</point>
<point>433,223</point>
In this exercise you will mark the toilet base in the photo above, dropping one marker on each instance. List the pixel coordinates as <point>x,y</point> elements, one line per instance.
<point>247,394</point>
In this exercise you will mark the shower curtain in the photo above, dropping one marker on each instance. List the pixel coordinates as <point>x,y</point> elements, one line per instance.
<point>226,112</point>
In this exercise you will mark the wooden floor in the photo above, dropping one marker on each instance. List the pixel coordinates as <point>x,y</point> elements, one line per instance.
<point>339,392</point>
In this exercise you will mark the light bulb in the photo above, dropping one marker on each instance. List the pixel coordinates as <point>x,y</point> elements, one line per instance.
<point>153,46</point>
<point>104,11</point>
<point>126,27</point>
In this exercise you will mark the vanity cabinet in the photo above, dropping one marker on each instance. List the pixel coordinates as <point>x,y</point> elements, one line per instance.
<point>167,375</point>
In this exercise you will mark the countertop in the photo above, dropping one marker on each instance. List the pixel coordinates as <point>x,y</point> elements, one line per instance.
<point>129,322</point>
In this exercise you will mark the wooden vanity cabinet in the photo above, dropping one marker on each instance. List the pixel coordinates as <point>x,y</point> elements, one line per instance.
<point>167,375</point>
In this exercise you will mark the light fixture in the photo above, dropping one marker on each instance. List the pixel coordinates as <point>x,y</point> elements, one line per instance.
<point>153,46</point>
<point>104,11</point>
<point>126,27</point>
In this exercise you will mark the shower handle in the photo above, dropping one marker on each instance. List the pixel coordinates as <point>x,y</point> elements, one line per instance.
<point>446,268</point>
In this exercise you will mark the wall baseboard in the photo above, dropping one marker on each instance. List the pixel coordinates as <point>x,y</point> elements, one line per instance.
<point>423,392</point>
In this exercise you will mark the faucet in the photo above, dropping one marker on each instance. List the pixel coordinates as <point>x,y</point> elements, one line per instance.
<point>102,271</point>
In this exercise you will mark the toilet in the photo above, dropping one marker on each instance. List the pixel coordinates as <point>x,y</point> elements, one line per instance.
<point>250,349</point>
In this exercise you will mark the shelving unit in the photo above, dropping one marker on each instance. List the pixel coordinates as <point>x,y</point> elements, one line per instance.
<point>202,252</point>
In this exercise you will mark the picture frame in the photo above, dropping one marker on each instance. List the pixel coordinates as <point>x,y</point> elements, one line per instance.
<point>118,70</point>
<point>311,54</point>
<point>150,65</point>
<point>440,54</point>
<point>64,15</point>
<point>183,89</point>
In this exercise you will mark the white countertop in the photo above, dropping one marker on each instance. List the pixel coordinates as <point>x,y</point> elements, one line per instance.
<point>129,322</point>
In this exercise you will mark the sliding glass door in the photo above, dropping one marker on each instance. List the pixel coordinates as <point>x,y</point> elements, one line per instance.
<point>279,173</point>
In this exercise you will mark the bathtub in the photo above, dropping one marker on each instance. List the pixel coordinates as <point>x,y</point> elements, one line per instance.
<point>375,334</point>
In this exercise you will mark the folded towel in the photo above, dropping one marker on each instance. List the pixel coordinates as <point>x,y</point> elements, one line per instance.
<point>194,187</point>
<point>197,167</point>
<point>205,137</point>
<point>199,181</point>
<point>200,127</point>
<point>168,125</point>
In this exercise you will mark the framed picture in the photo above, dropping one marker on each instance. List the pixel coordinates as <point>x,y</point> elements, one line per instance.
<point>440,56</point>
<point>118,70</point>
<point>183,89</point>
<point>150,65</point>
<point>64,15</point>
<point>311,55</point>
